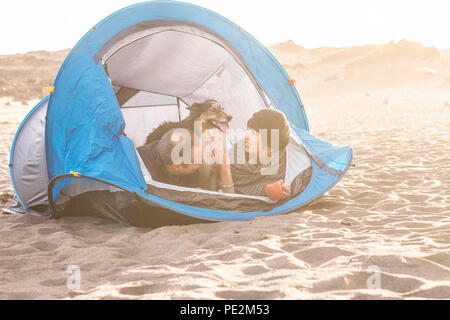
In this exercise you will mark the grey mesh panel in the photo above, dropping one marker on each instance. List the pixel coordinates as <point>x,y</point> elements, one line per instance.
<point>149,99</point>
<point>297,159</point>
<point>142,30</point>
<point>233,89</point>
<point>29,166</point>
<point>141,121</point>
<point>145,111</point>
<point>170,62</point>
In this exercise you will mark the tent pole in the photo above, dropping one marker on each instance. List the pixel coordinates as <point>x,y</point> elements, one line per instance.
<point>179,113</point>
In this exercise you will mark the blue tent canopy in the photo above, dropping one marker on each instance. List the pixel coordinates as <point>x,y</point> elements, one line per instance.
<point>190,53</point>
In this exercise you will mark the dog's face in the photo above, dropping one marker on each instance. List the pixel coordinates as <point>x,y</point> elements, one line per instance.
<point>211,114</point>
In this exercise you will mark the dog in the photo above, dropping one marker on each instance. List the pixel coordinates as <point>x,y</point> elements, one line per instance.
<point>209,112</point>
<point>212,117</point>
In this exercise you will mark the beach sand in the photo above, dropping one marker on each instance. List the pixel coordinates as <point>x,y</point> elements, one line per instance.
<point>383,232</point>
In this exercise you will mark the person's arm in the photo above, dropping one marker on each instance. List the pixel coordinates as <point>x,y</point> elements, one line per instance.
<point>226,179</point>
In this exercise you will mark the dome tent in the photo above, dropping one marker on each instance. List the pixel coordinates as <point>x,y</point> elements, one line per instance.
<point>135,69</point>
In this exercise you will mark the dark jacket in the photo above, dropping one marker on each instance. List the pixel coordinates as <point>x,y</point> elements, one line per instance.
<point>155,166</point>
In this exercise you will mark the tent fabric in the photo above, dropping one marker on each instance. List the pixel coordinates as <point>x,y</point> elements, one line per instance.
<point>27,159</point>
<point>98,114</point>
<point>145,111</point>
<point>122,207</point>
<point>160,54</point>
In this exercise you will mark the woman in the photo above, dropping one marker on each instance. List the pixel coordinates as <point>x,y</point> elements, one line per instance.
<point>266,140</point>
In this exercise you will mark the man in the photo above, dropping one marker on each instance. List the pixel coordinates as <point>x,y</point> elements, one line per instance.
<point>166,162</point>
<point>266,138</point>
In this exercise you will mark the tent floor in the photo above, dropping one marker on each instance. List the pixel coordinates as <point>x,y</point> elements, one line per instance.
<point>123,207</point>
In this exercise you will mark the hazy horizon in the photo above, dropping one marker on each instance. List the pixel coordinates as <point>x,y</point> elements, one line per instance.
<point>329,24</point>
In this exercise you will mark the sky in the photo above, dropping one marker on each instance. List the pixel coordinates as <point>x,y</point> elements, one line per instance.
<point>30,25</point>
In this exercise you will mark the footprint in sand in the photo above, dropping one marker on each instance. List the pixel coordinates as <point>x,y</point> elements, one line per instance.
<point>142,290</point>
<point>255,270</point>
<point>285,262</point>
<point>249,294</point>
<point>44,246</point>
<point>54,282</point>
<point>318,256</point>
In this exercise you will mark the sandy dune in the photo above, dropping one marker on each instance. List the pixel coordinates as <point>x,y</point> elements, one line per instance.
<point>387,220</point>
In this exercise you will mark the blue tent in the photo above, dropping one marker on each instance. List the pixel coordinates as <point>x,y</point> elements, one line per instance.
<point>136,68</point>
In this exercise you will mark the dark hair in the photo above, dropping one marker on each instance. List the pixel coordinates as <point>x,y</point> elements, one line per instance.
<point>270,119</point>
<point>196,109</point>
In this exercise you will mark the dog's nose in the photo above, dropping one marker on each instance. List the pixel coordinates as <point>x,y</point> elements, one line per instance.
<point>230,118</point>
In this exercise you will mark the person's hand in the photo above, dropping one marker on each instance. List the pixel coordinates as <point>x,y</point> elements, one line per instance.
<point>220,153</point>
<point>216,141</point>
<point>286,190</point>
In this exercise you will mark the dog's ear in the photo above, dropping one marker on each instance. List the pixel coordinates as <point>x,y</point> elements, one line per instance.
<point>196,109</point>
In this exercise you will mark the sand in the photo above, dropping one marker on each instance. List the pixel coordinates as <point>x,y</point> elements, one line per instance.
<point>383,232</point>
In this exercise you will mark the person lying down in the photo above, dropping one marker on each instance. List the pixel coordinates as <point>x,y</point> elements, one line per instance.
<point>266,139</point>
<point>257,173</point>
